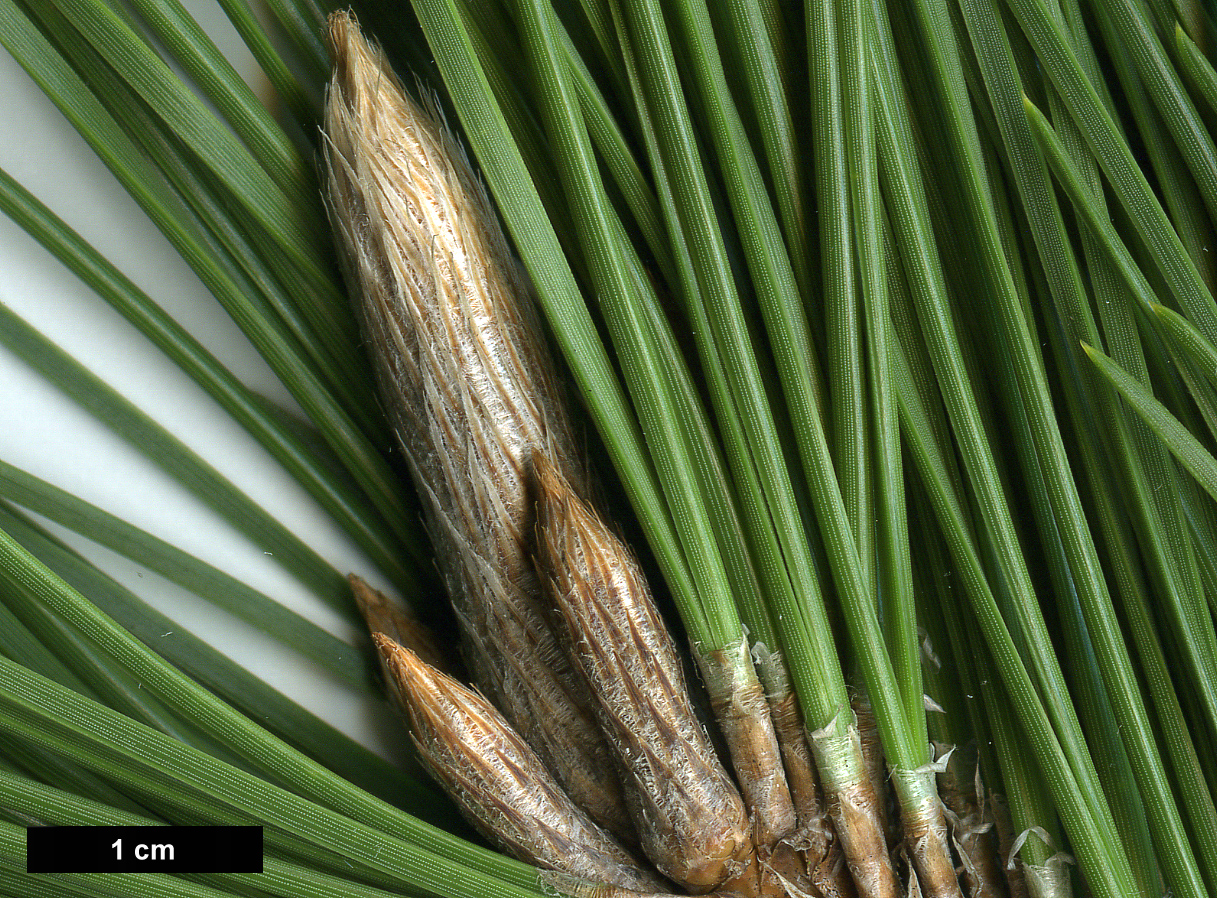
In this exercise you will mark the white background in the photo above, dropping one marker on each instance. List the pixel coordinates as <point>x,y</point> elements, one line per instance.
<point>46,434</point>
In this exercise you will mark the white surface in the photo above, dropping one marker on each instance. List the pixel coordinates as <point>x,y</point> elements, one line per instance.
<point>46,434</point>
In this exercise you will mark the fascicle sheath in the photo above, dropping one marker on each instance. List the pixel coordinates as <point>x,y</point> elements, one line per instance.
<point>970,819</point>
<point>876,763</point>
<point>498,781</point>
<point>690,817</point>
<point>925,831</point>
<point>815,838</point>
<point>469,389</point>
<point>1000,811</point>
<point>854,806</point>
<point>792,738</point>
<point>742,712</point>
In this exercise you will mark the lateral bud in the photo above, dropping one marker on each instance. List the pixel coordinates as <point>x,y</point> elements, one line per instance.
<point>690,817</point>
<point>497,781</point>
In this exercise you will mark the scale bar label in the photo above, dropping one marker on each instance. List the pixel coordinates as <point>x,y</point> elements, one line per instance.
<point>143,849</point>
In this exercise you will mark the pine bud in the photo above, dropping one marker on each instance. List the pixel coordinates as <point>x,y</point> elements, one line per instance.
<point>690,817</point>
<point>498,782</point>
<point>469,389</point>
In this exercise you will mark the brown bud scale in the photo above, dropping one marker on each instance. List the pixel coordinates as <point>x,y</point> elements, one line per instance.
<point>383,615</point>
<point>742,712</point>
